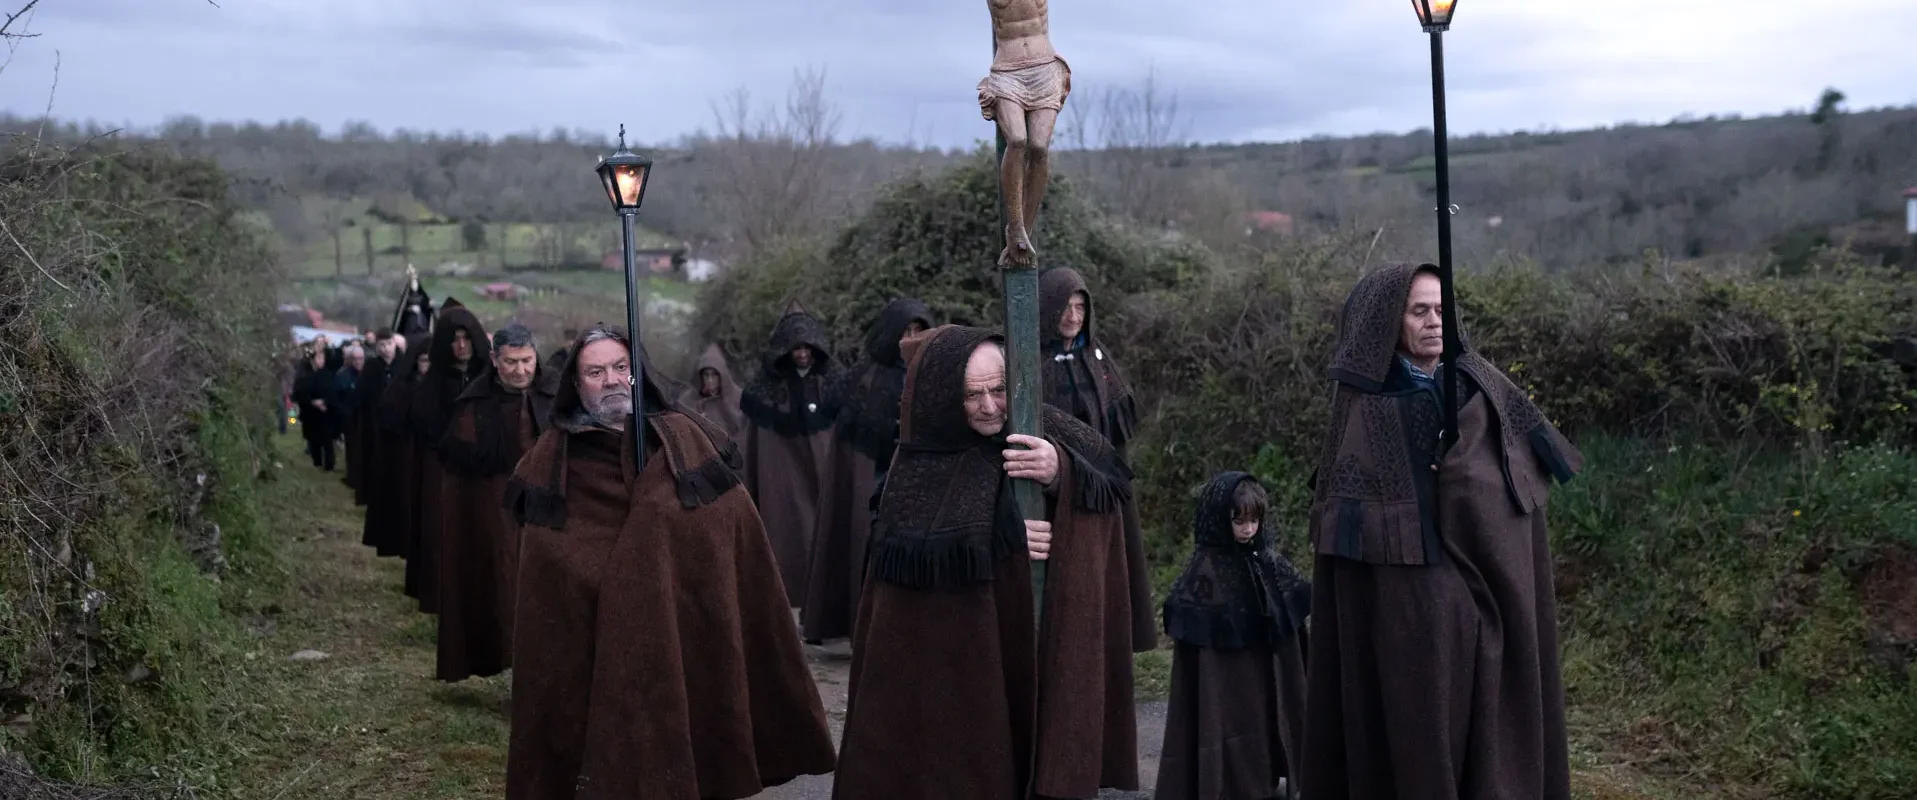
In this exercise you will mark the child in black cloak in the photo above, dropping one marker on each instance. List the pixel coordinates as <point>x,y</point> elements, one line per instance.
<point>1237,615</point>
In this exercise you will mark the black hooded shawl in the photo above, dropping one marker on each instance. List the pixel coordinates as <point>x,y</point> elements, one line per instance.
<point>1233,595</point>
<point>868,394</point>
<point>1081,376</point>
<point>444,382</point>
<point>947,515</point>
<point>776,399</point>
<point>1375,488</point>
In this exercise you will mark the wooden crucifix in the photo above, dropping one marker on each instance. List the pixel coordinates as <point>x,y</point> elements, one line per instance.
<point>1023,94</point>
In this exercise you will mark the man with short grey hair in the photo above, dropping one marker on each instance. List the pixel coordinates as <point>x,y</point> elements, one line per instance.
<point>495,420</point>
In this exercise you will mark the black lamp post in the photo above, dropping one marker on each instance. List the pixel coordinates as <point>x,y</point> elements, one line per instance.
<point>1435,16</point>
<point>624,174</point>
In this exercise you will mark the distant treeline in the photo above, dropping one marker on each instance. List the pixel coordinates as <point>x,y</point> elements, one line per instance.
<point>1690,188</point>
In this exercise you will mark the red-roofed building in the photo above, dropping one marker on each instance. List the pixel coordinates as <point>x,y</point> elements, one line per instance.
<point>1274,222</point>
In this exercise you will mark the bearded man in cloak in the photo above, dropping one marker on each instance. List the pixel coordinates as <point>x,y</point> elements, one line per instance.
<point>495,421</point>
<point>1434,639</point>
<point>953,693</point>
<point>460,357</point>
<point>867,432</point>
<point>714,394</point>
<point>790,409</point>
<point>394,480</point>
<point>1082,378</point>
<point>654,650</point>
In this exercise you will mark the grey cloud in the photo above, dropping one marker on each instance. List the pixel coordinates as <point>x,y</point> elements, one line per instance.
<point>1240,68</point>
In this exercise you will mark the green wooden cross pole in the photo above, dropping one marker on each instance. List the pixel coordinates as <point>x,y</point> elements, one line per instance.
<point>1021,371</point>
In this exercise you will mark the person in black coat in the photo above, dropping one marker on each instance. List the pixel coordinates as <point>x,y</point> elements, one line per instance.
<point>316,392</point>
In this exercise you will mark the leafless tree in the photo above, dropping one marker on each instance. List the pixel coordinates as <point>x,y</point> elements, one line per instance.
<point>774,165</point>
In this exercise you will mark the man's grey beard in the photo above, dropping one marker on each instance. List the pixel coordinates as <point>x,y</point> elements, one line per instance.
<point>611,410</point>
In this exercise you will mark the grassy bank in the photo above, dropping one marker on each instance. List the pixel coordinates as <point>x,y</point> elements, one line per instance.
<point>135,372</point>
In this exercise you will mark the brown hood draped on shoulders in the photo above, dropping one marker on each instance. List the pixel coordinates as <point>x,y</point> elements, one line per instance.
<point>722,408</point>
<point>1234,727</point>
<point>654,648</point>
<point>945,625</point>
<point>432,412</point>
<point>867,433</point>
<point>392,480</point>
<point>1434,653</point>
<point>1082,378</point>
<point>492,426</point>
<point>788,441</point>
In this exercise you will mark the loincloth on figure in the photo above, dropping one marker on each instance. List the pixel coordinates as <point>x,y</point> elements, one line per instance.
<point>1039,85</point>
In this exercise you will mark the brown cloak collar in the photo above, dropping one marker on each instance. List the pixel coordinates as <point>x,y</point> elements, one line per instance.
<point>702,457</point>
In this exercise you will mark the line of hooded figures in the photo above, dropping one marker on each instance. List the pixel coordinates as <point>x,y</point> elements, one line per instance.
<point>647,609</point>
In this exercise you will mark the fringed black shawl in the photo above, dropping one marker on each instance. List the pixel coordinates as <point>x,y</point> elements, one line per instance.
<point>778,398</point>
<point>1234,595</point>
<point>947,515</point>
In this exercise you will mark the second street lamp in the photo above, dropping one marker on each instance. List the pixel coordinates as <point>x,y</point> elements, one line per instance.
<point>1435,16</point>
<point>625,174</point>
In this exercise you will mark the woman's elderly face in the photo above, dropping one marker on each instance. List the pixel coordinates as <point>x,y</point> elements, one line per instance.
<point>985,390</point>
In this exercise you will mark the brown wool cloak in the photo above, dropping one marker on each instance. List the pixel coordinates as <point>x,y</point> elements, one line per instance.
<point>432,413</point>
<point>722,408</point>
<point>656,656</point>
<point>1235,725</point>
<point>390,481</point>
<point>1082,379</point>
<point>1434,653</point>
<point>478,541</point>
<point>864,437</point>
<point>949,679</point>
<point>788,439</point>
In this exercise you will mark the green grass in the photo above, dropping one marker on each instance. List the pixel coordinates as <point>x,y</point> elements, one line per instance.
<point>1712,616</point>
<point>432,241</point>
<point>369,721</point>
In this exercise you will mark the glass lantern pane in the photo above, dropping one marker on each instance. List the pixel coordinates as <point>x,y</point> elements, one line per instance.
<point>631,180</point>
<point>605,178</point>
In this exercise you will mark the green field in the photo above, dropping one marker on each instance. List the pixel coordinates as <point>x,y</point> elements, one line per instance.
<point>428,240</point>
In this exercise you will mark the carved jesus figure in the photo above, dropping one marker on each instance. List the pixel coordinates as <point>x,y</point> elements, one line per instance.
<point>1023,93</point>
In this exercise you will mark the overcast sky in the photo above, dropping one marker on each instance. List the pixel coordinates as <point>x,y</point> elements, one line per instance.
<point>907,69</point>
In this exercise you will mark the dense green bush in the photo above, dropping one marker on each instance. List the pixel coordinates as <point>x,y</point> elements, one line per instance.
<point>136,349</point>
<point>935,238</point>
<point>1724,598</point>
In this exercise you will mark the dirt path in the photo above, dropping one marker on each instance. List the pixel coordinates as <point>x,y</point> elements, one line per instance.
<point>367,721</point>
